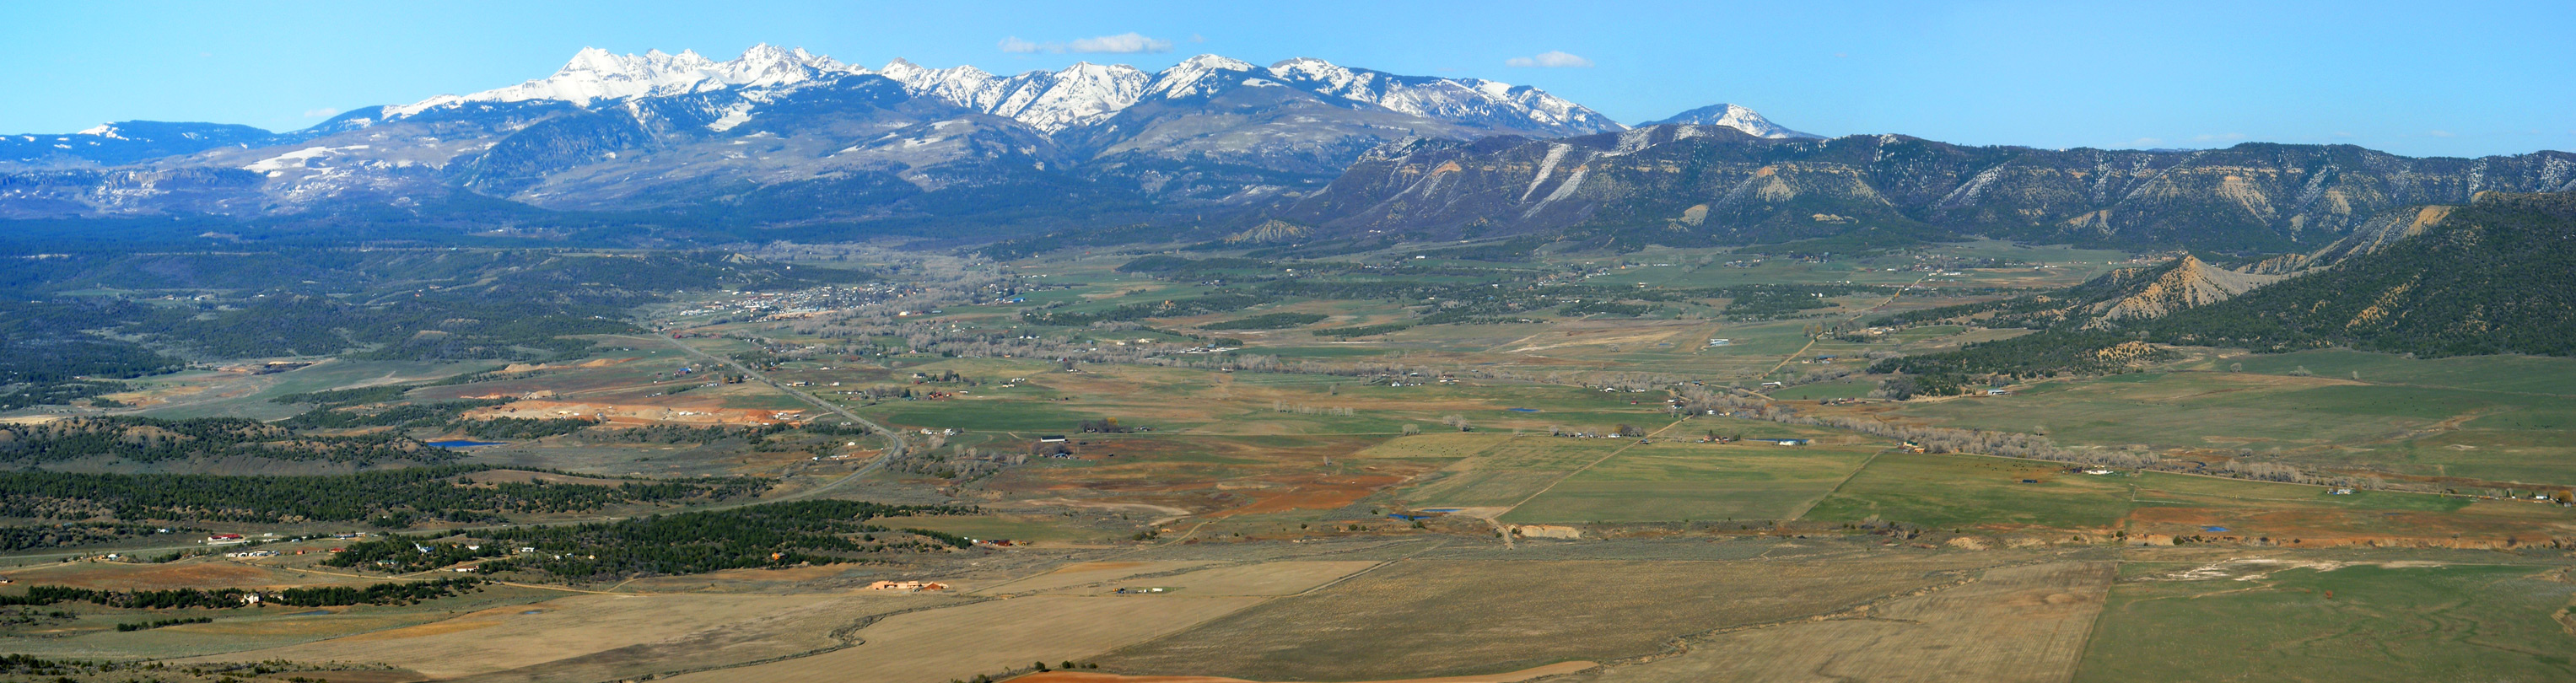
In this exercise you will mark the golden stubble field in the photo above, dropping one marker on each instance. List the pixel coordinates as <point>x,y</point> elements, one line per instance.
<point>2013,624</point>
<point>1459,617</point>
<point>505,638</point>
<point>988,637</point>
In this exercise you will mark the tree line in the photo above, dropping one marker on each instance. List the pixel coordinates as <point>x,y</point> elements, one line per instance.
<point>436,492</point>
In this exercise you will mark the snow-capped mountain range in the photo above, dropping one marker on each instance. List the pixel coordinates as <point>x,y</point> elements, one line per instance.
<point>624,131</point>
<point>1050,101</point>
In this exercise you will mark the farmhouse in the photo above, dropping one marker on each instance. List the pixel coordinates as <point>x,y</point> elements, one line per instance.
<point>907,586</point>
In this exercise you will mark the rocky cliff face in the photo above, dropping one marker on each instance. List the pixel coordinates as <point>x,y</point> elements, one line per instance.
<point>2153,292</point>
<point>1689,184</point>
<point>2381,230</point>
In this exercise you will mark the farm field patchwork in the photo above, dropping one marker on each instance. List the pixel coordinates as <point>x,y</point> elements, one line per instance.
<point>1949,491</point>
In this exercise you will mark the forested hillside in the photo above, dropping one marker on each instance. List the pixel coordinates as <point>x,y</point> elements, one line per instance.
<point>2497,276</point>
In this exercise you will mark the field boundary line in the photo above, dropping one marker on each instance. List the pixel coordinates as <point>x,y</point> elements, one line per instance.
<point>1551,486</point>
<point>1374,567</point>
<point>1855,473</point>
<point>2094,627</point>
<point>848,634</point>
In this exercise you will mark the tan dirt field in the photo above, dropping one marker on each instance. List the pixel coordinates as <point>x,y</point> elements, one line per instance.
<point>987,637</point>
<point>790,633</point>
<point>2025,623</point>
<point>1463,617</point>
<point>1267,578</point>
<point>507,638</point>
<point>1511,677</point>
<point>1086,573</point>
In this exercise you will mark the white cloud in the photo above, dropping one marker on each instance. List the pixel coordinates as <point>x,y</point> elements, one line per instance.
<point>324,112</point>
<point>1550,59</point>
<point>1196,38</point>
<point>1124,43</point>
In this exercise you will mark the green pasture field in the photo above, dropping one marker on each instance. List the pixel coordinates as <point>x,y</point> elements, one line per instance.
<point>1547,453</point>
<point>2311,421</point>
<point>2164,488</point>
<point>1505,473</point>
<point>336,374</point>
<point>2291,513</point>
<point>1927,332</point>
<point>2204,410</point>
<point>1959,491</point>
<point>1670,481</point>
<point>2520,374</point>
<point>1335,352</point>
<point>1447,446</point>
<point>2530,447</point>
<point>1479,488</point>
<point>2415,623</point>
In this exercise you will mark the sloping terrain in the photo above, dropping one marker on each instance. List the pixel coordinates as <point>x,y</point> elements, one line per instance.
<point>2377,233</point>
<point>1686,184</point>
<point>2497,276</point>
<point>2185,282</point>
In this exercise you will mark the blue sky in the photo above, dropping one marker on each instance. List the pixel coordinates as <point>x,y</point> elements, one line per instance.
<point>2457,79</point>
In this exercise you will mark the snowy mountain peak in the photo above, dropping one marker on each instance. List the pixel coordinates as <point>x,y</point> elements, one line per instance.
<point>1735,117</point>
<point>595,74</point>
<point>1200,75</point>
<point>1309,68</point>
